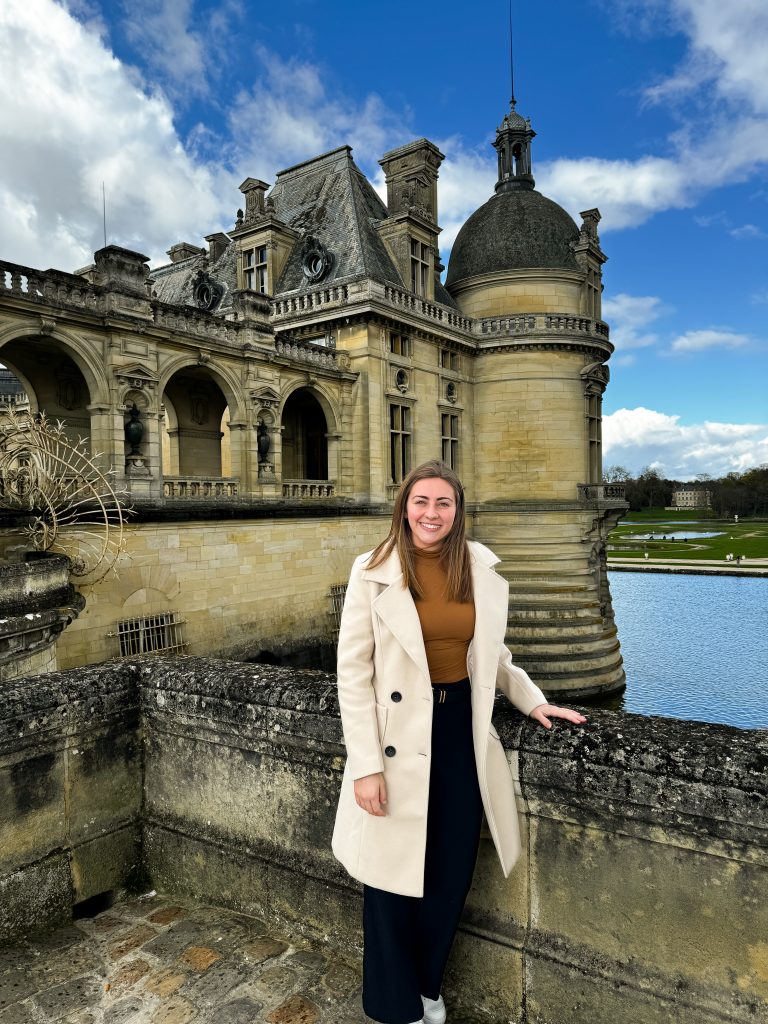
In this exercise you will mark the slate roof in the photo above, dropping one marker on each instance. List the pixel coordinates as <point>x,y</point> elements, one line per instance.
<point>327,197</point>
<point>519,229</point>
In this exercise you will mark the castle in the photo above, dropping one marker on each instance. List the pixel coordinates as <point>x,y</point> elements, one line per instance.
<point>261,398</point>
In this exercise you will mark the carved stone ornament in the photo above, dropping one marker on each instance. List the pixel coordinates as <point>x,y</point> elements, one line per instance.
<point>316,260</point>
<point>401,381</point>
<point>451,392</point>
<point>136,377</point>
<point>207,293</point>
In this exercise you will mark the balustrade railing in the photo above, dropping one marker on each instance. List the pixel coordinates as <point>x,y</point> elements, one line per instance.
<point>309,488</point>
<point>602,492</point>
<point>200,487</point>
<point>524,323</point>
<point>314,354</point>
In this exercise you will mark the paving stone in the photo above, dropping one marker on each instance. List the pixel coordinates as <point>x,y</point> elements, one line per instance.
<point>19,1013</point>
<point>16,985</point>
<point>177,938</point>
<point>339,979</point>
<point>142,906</point>
<point>126,1011</point>
<point>239,1011</point>
<point>107,922</point>
<point>127,976</point>
<point>263,949</point>
<point>131,940</point>
<point>65,965</point>
<point>165,982</point>
<point>305,958</point>
<point>176,1010</point>
<point>295,1010</point>
<point>80,1017</point>
<point>167,915</point>
<point>61,938</point>
<point>212,987</point>
<point>199,958</point>
<point>74,995</point>
<point>276,981</point>
<point>12,957</point>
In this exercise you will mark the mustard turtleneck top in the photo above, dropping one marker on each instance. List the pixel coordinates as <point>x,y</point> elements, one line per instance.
<point>447,626</point>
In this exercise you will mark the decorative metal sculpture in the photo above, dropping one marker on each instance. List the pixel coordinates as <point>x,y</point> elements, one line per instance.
<point>74,509</point>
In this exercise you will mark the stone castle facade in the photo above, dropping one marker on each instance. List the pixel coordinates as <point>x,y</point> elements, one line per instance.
<point>260,399</point>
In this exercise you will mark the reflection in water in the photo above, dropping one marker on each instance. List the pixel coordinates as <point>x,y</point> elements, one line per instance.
<point>694,647</point>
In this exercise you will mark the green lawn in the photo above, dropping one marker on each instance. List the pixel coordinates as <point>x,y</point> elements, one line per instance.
<point>748,538</point>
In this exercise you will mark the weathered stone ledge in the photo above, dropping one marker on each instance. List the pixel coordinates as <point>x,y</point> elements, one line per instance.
<point>640,895</point>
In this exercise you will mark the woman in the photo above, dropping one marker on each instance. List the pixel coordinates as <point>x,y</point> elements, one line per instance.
<point>421,651</point>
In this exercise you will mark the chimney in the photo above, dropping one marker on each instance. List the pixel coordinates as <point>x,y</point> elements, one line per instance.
<point>254,191</point>
<point>217,244</point>
<point>183,251</point>
<point>411,175</point>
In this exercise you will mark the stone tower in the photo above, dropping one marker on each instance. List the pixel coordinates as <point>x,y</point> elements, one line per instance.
<point>532,279</point>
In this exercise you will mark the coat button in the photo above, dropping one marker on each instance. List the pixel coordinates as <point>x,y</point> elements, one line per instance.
<point>396,696</point>
<point>390,751</point>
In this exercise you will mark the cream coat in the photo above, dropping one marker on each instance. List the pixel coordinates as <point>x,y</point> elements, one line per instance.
<point>381,651</point>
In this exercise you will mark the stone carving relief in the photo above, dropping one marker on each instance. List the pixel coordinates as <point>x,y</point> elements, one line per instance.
<point>316,260</point>
<point>206,292</point>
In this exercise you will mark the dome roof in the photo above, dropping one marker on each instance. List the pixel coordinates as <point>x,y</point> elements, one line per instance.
<point>518,229</point>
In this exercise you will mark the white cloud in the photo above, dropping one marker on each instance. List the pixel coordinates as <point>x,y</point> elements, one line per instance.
<point>79,117</point>
<point>723,136</point>
<point>640,437</point>
<point>726,48</point>
<point>629,317</point>
<point>292,113</point>
<point>698,341</point>
<point>168,43</point>
<point>747,231</point>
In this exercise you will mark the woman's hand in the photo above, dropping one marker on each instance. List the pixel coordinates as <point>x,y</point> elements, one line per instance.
<point>544,712</point>
<point>371,794</point>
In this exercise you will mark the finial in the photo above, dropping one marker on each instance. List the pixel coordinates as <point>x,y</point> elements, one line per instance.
<point>511,61</point>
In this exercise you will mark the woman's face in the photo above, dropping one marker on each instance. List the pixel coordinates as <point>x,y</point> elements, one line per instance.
<point>430,511</point>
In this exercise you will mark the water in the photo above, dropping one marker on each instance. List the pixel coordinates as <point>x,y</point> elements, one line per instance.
<point>673,535</point>
<point>694,646</point>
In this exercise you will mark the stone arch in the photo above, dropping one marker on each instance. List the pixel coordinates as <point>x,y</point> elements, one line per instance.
<point>199,403</point>
<point>230,385</point>
<point>305,430</point>
<point>84,358</point>
<point>59,380</point>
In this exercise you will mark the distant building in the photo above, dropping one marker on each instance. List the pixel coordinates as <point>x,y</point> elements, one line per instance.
<point>278,384</point>
<point>12,393</point>
<point>694,495</point>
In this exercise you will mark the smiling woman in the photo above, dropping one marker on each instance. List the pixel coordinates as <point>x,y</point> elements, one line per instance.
<point>421,652</point>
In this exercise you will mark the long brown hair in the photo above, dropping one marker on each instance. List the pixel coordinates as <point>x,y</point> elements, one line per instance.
<point>454,554</point>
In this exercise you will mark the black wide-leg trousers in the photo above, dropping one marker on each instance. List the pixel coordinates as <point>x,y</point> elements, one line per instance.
<point>407,939</point>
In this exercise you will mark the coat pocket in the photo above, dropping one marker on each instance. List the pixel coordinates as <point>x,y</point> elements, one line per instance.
<point>382,713</point>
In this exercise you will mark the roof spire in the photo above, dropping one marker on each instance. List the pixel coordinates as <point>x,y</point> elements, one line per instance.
<point>511,62</point>
<point>513,139</point>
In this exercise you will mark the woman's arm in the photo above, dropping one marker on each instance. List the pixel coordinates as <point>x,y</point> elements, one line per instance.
<point>354,669</point>
<point>526,695</point>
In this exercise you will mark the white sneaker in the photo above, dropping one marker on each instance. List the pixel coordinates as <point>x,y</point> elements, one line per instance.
<point>434,1010</point>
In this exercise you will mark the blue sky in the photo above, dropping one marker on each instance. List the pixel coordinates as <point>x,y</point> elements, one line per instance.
<point>656,111</point>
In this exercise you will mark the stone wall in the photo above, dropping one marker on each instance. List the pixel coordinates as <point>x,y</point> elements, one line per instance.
<point>241,586</point>
<point>640,897</point>
<point>70,793</point>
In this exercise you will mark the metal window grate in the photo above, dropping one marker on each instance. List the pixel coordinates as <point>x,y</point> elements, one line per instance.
<point>151,634</point>
<point>337,593</point>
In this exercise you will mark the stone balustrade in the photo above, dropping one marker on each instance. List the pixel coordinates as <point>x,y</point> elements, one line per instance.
<point>549,323</point>
<point>335,295</point>
<point>309,488</point>
<point>314,354</point>
<point>639,896</point>
<point>200,487</point>
<point>602,492</point>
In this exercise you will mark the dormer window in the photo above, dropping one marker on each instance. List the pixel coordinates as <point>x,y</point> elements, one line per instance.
<point>255,276</point>
<point>419,267</point>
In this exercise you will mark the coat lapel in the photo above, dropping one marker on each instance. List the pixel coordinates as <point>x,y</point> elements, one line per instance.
<point>491,609</point>
<point>397,610</point>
